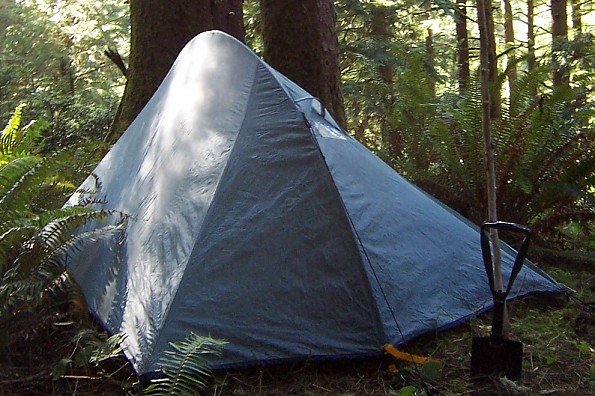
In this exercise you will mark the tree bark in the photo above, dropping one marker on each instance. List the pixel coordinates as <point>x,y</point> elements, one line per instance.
<point>381,28</point>
<point>159,31</point>
<point>463,72</point>
<point>300,41</point>
<point>430,62</point>
<point>511,69</point>
<point>559,36</point>
<point>531,60</point>
<point>577,23</point>
<point>485,21</point>
<point>228,16</point>
<point>382,31</point>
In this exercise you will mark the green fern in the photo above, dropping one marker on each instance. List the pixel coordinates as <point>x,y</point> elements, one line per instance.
<point>544,149</point>
<point>186,367</point>
<point>16,140</point>
<point>12,171</point>
<point>11,135</point>
<point>33,259</point>
<point>36,235</point>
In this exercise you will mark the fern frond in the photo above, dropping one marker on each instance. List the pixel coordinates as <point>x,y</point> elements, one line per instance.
<point>21,193</point>
<point>78,242</point>
<point>23,218</point>
<point>186,367</point>
<point>13,171</point>
<point>33,257</point>
<point>11,241</point>
<point>10,135</point>
<point>58,231</point>
<point>17,290</point>
<point>95,348</point>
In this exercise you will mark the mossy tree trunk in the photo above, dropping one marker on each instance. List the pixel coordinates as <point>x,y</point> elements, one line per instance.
<point>300,40</point>
<point>159,31</point>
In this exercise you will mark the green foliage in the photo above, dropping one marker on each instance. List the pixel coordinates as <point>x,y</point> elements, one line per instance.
<point>97,347</point>
<point>382,49</point>
<point>17,141</point>
<point>185,367</point>
<point>398,79</point>
<point>544,149</point>
<point>33,246</point>
<point>253,25</point>
<point>36,235</point>
<point>37,294</point>
<point>91,348</point>
<point>431,371</point>
<point>52,57</point>
<point>409,390</point>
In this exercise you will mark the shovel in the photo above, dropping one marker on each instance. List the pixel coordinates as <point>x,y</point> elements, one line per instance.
<point>496,354</point>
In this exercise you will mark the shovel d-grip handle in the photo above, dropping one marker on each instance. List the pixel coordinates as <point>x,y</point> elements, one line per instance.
<point>499,296</point>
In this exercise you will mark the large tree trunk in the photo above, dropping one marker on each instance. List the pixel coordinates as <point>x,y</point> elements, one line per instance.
<point>463,72</point>
<point>159,31</point>
<point>228,16</point>
<point>559,36</point>
<point>300,40</point>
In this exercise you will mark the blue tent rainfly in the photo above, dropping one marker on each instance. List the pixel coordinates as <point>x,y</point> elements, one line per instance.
<point>254,218</point>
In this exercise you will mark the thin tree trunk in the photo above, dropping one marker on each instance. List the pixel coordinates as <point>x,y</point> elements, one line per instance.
<point>463,72</point>
<point>511,69</point>
<point>300,40</point>
<point>380,28</point>
<point>430,62</point>
<point>5,10</point>
<point>531,60</point>
<point>483,9</point>
<point>559,36</point>
<point>577,23</point>
<point>381,31</point>
<point>485,21</point>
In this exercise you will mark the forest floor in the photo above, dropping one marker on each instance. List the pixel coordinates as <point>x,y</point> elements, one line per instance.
<point>558,335</point>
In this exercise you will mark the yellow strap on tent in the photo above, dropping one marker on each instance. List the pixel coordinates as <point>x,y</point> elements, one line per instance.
<point>408,357</point>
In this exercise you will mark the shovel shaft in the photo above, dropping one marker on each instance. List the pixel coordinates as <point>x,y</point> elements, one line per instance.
<point>498,318</point>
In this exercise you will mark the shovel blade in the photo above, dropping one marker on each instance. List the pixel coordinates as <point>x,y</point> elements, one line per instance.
<point>495,355</point>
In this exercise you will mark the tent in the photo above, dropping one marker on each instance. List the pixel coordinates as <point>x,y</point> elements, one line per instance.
<point>255,219</point>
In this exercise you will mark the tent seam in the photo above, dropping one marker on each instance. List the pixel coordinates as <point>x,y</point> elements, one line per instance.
<point>356,236</point>
<point>241,125</point>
